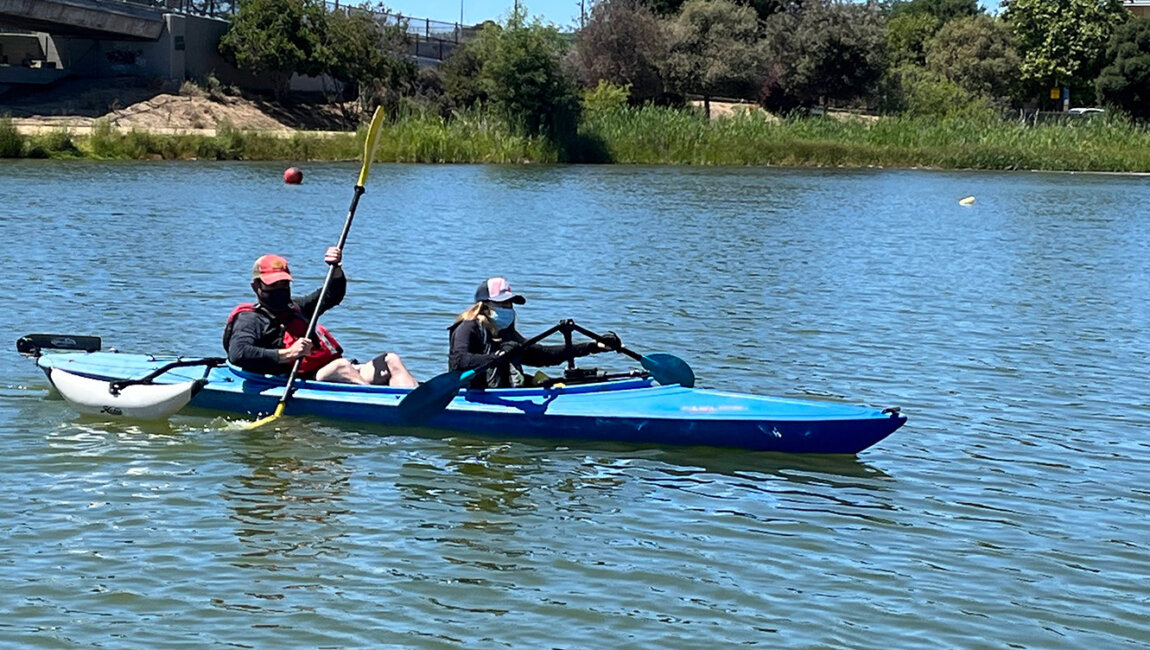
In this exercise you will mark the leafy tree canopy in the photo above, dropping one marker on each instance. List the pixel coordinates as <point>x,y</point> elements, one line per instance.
<point>521,71</point>
<point>1062,41</point>
<point>284,37</point>
<point>762,8</point>
<point>356,49</point>
<point>1125,83</point>
<point>978,55</point>
<point>714,50</point>
<point>623,43</point>
<point>275,37</point>
<point>913,22</point>
<point>829,51</point>
<point>942,10</point>
<point>907,34</point>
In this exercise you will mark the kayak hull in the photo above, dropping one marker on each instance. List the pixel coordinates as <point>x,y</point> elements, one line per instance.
<point>138,402</point>
<point>631,410</point>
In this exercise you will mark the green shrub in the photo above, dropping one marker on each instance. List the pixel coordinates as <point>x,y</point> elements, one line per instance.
<point>605,97</point>
<point>11,142</point>
<point>60,143</point>
<point>104,140</point>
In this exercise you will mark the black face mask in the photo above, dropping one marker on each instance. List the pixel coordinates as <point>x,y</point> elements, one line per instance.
<point>276,300</point>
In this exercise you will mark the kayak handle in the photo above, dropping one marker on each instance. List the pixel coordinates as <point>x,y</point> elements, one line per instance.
<point>211,362</point>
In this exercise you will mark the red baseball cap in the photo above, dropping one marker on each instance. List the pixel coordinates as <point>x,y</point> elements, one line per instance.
<point>270,269</point>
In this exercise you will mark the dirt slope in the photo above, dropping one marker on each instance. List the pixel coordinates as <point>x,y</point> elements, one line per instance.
<point>127,104</point>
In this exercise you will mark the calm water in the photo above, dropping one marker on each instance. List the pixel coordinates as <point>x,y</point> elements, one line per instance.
<point>1011,511</point>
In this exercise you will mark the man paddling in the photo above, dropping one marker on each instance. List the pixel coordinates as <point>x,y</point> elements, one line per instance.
<point>268,336</point>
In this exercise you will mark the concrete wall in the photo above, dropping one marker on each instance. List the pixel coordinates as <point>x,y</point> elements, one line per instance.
<point>187,48</point>
<point>16,49</point>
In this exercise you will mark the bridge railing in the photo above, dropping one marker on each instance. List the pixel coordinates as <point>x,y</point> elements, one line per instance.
<point>212,8</point>
<point>432,38</point>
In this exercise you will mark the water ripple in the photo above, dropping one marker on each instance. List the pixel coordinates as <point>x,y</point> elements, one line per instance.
<point>1010,512</point>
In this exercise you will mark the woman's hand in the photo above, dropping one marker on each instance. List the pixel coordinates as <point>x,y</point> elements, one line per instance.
<point>610,341</point>
<point>333,256</point>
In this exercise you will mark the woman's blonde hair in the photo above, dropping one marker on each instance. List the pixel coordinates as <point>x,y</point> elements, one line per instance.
<point>480,312</point>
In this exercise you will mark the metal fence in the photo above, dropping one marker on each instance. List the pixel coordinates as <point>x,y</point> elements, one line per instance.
<point>424,28</point>
<point>211,8</point>
<point>434,39</point>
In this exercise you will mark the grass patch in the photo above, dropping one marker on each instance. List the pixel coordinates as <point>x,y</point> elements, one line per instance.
<point>667,136</point>
<point>647,135</point>
<point>11,142</point>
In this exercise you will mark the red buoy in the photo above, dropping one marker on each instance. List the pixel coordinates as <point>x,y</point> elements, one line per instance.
<point>293,176</point>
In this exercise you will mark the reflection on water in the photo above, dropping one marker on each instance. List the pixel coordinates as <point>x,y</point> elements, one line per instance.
<point>290,491</point>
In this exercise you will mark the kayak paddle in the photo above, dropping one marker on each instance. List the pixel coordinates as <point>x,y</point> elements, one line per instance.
<point>665,368</point>
<point>428,399</point>
<point>369,145</point>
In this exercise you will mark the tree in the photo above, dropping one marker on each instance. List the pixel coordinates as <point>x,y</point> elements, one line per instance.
<point>461,75</point>
<point>522,73</point>
<point>714,50</point>
<point>623,44</point>
<point>977,54</point>
<point>913,22</point>
<point>1125,83</point>
<point>907,34</point>
<point>942,10</point>
<point>277,38</point>
<point>1062,42</point>
<point>358,50</point>
<point>762,8</point>
<point>831,51</point>
<point>918,92</point>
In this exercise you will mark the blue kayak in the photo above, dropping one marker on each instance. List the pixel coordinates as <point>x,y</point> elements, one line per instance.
<point>631,410</point>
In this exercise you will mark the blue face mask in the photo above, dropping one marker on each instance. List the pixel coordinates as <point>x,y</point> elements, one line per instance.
<point>502,317</point>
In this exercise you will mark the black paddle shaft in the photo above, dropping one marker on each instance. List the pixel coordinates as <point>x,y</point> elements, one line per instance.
<point>499,358</point>
<point>323,292</point>
<point>596,337</point>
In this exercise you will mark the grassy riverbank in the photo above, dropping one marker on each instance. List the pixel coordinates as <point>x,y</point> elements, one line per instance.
<point>647,136</point>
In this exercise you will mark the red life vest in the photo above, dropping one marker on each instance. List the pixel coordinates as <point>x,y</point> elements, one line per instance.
<point>325,350</point>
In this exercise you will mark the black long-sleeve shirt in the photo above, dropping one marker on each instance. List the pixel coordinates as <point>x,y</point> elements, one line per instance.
<point>253,338</point>
<point>472,346</point>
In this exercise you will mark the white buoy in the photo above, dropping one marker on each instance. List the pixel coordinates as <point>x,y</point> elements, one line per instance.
<point>137,402</point>
<point>967,201</point>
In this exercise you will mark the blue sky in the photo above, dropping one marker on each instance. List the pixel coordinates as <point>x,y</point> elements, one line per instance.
<point>564,13</point>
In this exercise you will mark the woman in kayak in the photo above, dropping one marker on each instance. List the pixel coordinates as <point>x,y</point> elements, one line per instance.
<point>268,336</point>
<point>488,327</point>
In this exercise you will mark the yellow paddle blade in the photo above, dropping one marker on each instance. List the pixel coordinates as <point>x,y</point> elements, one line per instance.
<point>370,143</point>
<point>262,421</point>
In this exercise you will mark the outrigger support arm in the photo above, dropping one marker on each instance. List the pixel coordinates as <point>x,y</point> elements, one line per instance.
<point>211,362</point>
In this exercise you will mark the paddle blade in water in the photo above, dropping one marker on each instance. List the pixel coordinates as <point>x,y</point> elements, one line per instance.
<point>432,396</point>
<point>668,369</point>
<point>262,421</point>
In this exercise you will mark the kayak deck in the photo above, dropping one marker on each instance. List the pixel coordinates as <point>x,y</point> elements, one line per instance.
<point>629,410</point>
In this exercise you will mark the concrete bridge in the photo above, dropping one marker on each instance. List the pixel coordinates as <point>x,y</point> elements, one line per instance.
<point>83,18</point>
<point>168,39</point>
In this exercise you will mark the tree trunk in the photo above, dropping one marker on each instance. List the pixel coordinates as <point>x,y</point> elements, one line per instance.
<point>707,105</point>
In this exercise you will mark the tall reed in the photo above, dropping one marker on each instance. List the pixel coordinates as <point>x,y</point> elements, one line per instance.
<point>650,135</point>
<point>11,142</point>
